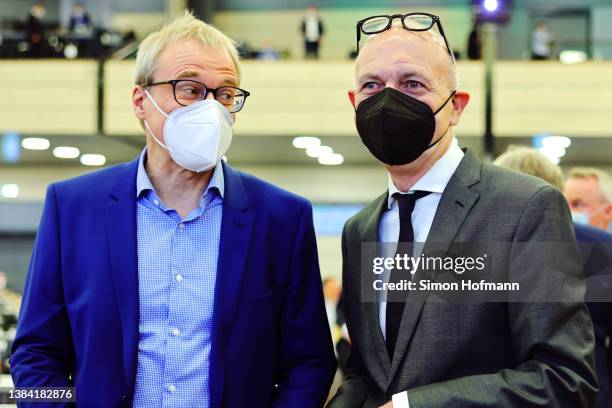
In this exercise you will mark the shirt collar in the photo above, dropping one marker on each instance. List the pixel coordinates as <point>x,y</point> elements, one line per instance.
<point>143,183</point>
<point>437,177</point>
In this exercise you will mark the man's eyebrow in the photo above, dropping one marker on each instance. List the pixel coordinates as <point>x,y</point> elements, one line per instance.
<point>414,75</point>
<point>405,76</point>
<point>369,77</point>
<point>193,74</point>
<point>230,82</point>
<point>187,74</point>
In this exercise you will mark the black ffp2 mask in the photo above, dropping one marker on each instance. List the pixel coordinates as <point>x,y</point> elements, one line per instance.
<point>396,127</point>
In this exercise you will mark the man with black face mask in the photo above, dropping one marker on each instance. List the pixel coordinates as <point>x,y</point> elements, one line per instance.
<point>410,348</point>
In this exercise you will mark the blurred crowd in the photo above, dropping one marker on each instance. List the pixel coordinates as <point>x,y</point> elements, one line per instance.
<point>36,36</point>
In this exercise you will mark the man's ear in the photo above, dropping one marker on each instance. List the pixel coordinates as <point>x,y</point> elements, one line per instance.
<point>138,97</point>
<point>608,211</point>
<point>351,95</point>
<point>459,101</point>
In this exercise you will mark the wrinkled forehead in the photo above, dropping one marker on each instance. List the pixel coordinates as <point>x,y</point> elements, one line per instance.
<point>429,38</point>
<point>423,47</point>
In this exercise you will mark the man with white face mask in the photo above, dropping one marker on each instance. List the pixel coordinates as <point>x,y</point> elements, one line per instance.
<point>588,191</point>
<point>175,280</point>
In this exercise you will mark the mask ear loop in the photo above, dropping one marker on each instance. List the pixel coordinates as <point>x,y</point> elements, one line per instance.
<point>147,124</point>
<point>444,104</point>
<point>597,211</point>
<point>435,113</point>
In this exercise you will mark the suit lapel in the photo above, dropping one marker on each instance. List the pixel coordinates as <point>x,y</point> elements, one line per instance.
<point>236,230</point>
<point>455,204</point>
<point>379,363</point>
<point>123,253</point>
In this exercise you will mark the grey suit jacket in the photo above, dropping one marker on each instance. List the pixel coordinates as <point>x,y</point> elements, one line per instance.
<point>472,354</point>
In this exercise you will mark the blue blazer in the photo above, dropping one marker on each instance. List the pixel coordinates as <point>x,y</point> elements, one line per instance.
<point>78,324</point>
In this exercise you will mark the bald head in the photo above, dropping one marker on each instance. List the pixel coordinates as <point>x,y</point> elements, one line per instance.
<point>418,65</point>
<point>398,45</point>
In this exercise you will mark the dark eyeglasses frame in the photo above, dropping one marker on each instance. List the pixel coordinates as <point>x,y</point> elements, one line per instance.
<point>173,82</point>
<point>435,20</point>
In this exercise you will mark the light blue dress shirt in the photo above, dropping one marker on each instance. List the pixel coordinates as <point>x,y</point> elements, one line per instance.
<point>177,268</point>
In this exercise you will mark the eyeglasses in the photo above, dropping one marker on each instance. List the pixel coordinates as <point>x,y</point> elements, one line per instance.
<point>410,21</point>
<point>187,91</point>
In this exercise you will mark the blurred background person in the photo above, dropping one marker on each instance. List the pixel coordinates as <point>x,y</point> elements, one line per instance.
<point>595,247</point>
<point>80,22</point>
<point>34,30</point>
<point>542,41</point>
<point>474,46</point>
<point>268,52</point>
<point>331,293</point>
<point>528,160</point>
<point>9,308</point>
<point>588,191</point>
<point>312,30</point>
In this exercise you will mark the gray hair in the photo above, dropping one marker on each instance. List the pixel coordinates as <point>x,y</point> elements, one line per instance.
<point>186,26</point>
<point>528,160</point>
<point>604,181</point>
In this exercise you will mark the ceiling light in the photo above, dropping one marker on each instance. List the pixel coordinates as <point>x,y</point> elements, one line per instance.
<point>552,151</point>
<point>491,5</point>
<point>318,151</point>
<point>325,152</point>
<point>333,159</point>
<point>93,159</point>
<point>66,152</point>
<point>554,160</point>
<point>9,190</point>
<point>35,143</point>
<point>71,51</point>
<point>562,141</point>
<point>304,142</point>
<point>572,57</point>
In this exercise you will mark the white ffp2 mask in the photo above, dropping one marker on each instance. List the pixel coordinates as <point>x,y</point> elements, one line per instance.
<point>197,136</point>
